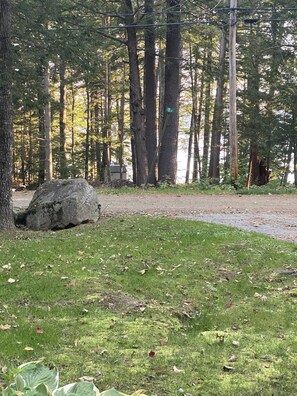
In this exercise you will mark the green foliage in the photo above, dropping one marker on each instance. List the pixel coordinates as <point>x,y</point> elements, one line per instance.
<point>35,379</point>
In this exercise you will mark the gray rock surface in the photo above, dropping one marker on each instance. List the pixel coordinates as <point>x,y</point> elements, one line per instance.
<point>59,204</point>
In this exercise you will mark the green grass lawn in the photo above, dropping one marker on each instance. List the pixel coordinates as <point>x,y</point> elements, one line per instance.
<point>170,306</point>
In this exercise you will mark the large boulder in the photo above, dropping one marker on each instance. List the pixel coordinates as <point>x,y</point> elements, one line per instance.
<point>59,204</point>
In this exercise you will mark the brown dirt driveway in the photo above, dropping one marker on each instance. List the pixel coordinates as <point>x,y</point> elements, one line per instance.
<point>274,215</point>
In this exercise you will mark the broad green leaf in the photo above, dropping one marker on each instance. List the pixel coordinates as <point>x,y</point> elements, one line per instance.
<point>78,388</point>
<point>112,392</point>
<point>42,389</point>
<point>19,382</point>
<point>35,374</point>
<point>8,392</point>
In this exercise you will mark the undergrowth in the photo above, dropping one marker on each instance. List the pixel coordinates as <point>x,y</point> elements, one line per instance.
<point>201,188</point>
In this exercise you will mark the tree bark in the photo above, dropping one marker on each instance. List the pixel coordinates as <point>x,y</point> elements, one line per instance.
<point>137,121</point>
<point>88,133</point>
<point>190,145</point>
<point>214,164</point>
<point>194,89</point>
<point>6,133</point>
<point>232,95</point>
<point>121,123</point>
<point>150,92</point>
<point>105,158</point>
<point>197,165</point>
<point>62,122</point>
<point>207,106</point>
<point>73,173</point>
<point>169,143</point>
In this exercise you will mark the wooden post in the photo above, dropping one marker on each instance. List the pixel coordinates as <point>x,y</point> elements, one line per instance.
<point>232,94</point>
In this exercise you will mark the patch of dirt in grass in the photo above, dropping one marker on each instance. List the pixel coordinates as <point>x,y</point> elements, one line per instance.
<point>121,303</point>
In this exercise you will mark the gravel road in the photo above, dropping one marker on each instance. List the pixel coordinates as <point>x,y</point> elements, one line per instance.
<point>274,215</point>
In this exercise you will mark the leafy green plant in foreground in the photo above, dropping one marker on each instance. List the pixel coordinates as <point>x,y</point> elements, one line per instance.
<point>35,379</point>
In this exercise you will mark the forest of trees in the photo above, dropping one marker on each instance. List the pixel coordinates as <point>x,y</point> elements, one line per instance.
<point>101,81</point>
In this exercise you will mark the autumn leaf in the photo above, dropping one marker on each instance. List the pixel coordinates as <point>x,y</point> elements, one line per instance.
<point>164,341</point>
<point>177,371</point>
<point>39,330</point>
<point>5,327</point>
<point>28,349</point>
<point>228,368</point>
<point>152,354</point>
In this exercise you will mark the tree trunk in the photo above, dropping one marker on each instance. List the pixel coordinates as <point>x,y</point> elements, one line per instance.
<point>121,123</point>
<point>47,126</point>
<point>105,165</point>
<point>197,165</point>
<point>295,163</point>
<point>30,154</point>
<point>62,122</point>
<point>190,145</point>
<point>253,116</point>
<point>98,157</point>
<point>232,95</point>
<point>41,138</point>
<point>207,118</point>
<point>194,89</point>
<point>214,164</point>
<point>6,133</point>
<point>150,92</point>
<point>169,143</point>
<point>87,140</point>
<point>73,173</point>
<point>137,121</point>
<point>161,86</point>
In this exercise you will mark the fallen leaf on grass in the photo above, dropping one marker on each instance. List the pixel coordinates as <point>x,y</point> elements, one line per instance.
<point>160,370</point>
<point>164,341</point>
<point>39,330</point>
<point>232,358</point>
<point>152,354</point>
<point>235,327</point>
<point>5,327</point>
<point>28,349</point>
<point>177,371</point>
<point>87,378</point>
<point>228,368</point>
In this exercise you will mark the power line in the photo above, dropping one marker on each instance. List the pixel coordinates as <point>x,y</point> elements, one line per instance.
<point>255,9</point>
<point>185,23</point>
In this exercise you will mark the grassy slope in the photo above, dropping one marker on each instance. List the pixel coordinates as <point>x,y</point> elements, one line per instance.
<point>201,294</point>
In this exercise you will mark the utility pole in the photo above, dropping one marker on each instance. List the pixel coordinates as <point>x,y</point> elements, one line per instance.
<point>232,94</point>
